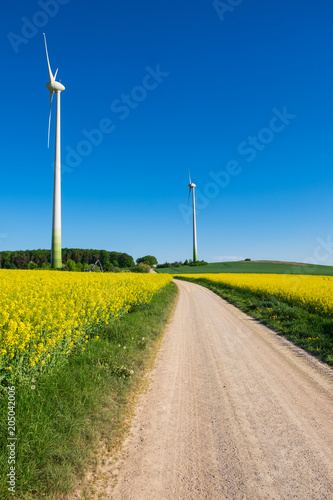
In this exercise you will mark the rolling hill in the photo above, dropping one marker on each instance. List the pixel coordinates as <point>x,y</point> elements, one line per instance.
<point>260,266</point>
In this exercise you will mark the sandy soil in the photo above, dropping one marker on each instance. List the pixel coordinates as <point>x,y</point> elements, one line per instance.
<point>233,411</point>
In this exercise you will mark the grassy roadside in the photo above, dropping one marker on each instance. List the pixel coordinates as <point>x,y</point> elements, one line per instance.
<point>60,422</point>
<point>310,331</point>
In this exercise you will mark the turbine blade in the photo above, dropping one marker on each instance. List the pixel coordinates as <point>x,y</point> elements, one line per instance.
<point>55,74</point>
<point>48,135</point>
<point>51,77</point>
<point>189,176</point>
<point>189,194</point>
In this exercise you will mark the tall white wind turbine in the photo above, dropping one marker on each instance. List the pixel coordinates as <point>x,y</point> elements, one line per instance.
<point>192,187</point>
<point>55,88</point>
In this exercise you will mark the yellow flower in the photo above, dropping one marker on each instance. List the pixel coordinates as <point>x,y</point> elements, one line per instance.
<point>314,292</point>
<point>47,313</point>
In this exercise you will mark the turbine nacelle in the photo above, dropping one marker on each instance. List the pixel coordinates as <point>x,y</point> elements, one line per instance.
<point>190,187</point>
<point>55,86</point>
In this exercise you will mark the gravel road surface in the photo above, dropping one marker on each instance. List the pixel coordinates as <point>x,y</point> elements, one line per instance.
<point>233,411</point>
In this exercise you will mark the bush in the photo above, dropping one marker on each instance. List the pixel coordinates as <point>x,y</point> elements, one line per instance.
<point>247,260</point>
<point>32,265</point>
<point>108,267</point>
<point>142,268</point>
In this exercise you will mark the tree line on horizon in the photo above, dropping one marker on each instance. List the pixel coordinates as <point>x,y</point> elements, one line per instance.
<point>83,258</point>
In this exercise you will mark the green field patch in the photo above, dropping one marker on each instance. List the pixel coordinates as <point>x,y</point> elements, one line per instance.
<point>269,267</point>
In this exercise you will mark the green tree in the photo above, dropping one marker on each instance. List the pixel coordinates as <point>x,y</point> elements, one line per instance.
<point>125,260</point>
<point>147,259</point>
<point>6,260</point>
<point>108,267</point>
<point>70,265</point>
<point>105,260</point>
<point>21,260</point>
<point>78,267</point>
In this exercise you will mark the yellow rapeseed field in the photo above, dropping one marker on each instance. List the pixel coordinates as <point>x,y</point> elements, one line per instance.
<point>44,315</point>
<point>314,292</point>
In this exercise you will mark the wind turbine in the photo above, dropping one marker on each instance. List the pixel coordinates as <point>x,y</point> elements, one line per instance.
<point>192,187</point>
<point>55,88</point>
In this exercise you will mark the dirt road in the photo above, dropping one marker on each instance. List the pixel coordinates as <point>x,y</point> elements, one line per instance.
<point>233,412</point>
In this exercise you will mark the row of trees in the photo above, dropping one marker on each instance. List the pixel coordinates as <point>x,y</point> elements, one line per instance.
<point>185,263</point>
<point>83,259</point>
<point>41,259</point>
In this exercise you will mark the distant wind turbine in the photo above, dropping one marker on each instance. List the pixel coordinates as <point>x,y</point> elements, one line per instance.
<point>192,187</point>
<point>55,88</point>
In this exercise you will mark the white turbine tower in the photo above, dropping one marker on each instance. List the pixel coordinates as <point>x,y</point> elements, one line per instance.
<point>55,88</point>
<point>192,187</point>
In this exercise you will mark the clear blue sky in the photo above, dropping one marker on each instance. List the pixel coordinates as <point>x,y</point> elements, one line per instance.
<point>239,92</point>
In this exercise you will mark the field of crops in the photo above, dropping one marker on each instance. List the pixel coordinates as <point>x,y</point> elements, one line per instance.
<point>45,315</point>
<point>313,292</point>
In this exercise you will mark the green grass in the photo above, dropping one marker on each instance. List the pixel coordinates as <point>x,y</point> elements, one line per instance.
<point>60,423</point>
<point>312,332</point>
<point>252,267</point>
